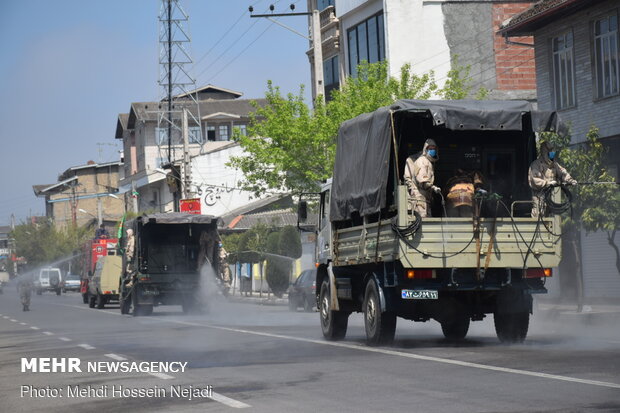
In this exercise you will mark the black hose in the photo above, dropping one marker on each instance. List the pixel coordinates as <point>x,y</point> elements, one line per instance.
<point>557,207</point>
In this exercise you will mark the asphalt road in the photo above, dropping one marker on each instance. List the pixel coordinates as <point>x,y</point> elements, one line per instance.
<point>267,359</point>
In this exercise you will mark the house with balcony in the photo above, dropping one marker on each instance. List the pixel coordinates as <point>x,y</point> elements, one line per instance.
<point>427,35</point>
<point>152,167</point>
<point>577,48</point>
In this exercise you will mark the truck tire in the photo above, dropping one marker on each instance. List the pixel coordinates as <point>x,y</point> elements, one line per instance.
<point>380,326</point>
<point>455,328</point>
<point>92,299</point>
<point>333,323</point>
<point>125,304</point>
<point>511,327</point>
<point>100,301</point>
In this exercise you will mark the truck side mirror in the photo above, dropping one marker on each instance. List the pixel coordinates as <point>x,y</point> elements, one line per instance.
<point>302,211</point>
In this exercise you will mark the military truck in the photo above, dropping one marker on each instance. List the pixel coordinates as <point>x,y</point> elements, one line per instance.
<point>375,256</point>
<point>170,250</point>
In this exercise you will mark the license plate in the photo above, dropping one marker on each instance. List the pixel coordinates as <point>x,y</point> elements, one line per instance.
<point>420,295</point>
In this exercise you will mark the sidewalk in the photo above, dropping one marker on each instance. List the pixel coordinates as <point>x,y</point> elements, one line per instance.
<point>256,299</point>
<point>591,312</point>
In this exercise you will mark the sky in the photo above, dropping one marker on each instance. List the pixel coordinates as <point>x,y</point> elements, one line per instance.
<point>69,67</point>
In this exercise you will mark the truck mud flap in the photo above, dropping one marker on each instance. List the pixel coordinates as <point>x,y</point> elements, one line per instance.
<point>513,300</point>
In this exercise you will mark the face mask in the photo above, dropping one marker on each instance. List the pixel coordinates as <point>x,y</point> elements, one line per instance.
<point>432,152</point>
<point>551,155</point>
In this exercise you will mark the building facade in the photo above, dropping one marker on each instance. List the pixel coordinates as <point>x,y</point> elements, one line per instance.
<point>84,195</point>
<point>577,48</point>
<point>152,167</point>
<point>427,35</point>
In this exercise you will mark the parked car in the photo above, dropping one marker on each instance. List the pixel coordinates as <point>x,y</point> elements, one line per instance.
<point>302,293</point>
<point>49,279</point>
<point>71,283</point>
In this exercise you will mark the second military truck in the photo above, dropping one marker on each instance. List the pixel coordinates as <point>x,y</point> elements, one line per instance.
<point>378,258</point>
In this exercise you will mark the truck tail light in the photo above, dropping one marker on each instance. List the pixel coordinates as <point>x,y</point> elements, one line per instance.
<point>107,292</point>
<point>538,272</point>
<point>420,274</point>
<point>145,279</point>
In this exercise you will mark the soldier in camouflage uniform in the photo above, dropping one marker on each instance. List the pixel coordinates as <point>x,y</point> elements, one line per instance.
<point>25,290</point>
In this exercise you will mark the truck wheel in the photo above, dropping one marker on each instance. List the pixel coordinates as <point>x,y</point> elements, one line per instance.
<point>100,301</point>
<point>455,328</point>
<point>92,300</point>
<point>380,326</point>
<point>511,328</point>
<point>333,323</point>
<point>125,304</point>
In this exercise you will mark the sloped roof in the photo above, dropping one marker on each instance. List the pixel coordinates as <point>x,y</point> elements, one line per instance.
<point>121,125</point>
<point>42,189</point>
<point>277,218</point>
<point>208,88</point>
<point>147,111</point>
<point>540,14</point>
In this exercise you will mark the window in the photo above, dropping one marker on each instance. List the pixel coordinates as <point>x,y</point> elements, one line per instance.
<point>606,70</point>
<point>211,133</point>
<point>224,133</point>
<point>366,42</point>
<point>161,136</point>
<point>195,134</point>
<point>330,75</point>
<point>323,4</point>
<point>243,129</point>
<point>563,73</point>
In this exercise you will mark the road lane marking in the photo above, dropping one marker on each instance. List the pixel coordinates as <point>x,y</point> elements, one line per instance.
<point>48,333</point>
<point>409,355</point>
<point>24,324</point>
<point>86,346</point>
<point>161,375</point>
<point>35,328</point>
<point>64,339</point>
<point>228,401</point>
<point>5,316</point>
<point>13,320</point>
<point>115,357</point>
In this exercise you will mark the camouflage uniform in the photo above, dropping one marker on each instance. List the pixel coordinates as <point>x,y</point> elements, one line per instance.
<point>419,177</point>
<point>25,289</point>
<point>543,173</point>
<point>224,268</point>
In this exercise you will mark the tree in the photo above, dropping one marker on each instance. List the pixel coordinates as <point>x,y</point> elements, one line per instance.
<point>42,244</point>
<point>290,147</point>
<point>594,207</point>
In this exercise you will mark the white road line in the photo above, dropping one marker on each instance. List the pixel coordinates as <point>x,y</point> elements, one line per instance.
<point>35,328</point>
<point>411,355</point>
<point>161,376</point>
<point>4,316</point>
<point>13,320</point>
<point>24,324</point>
<point>228,401</point>
<point>48,333</point>
<point>64,339</point>
<point>115,357</point>
<point>86,346</point>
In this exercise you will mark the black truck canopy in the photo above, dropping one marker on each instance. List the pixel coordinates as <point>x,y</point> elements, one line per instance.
<point>176,218</point>
<point>363,147</point>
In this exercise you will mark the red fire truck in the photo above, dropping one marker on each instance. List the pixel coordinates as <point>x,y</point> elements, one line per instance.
<point>92,250</point>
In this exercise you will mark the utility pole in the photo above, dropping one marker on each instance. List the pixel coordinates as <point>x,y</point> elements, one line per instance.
<point>317,50</point>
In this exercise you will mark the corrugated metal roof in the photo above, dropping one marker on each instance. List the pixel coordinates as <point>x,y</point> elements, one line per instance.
<point>147,111</point>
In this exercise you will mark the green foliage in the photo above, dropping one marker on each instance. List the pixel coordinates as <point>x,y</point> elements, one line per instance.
<point>277,273</point>
<point>43,244</point>
<point>290,242</point>
<point>458,84</point>
<point>273,243</point>
<point>595,207</point>
<point>291,147</point>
